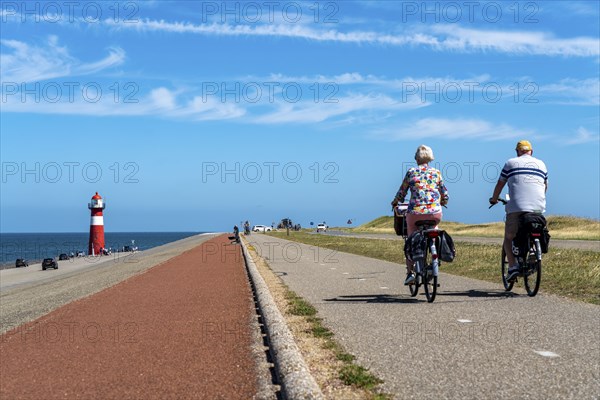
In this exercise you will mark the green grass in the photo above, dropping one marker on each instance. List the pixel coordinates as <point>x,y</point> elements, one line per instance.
<point>299,306</point>
<point>561,227</point>
<point>566,272</point>
<point>350,373</point>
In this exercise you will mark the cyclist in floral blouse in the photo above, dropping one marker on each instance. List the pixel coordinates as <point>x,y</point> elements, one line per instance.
<point>427,196</point>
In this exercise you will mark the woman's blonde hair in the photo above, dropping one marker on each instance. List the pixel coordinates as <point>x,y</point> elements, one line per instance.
<point>424,154</point>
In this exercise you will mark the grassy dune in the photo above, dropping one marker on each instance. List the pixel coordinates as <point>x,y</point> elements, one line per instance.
<point>566,272</point>
<point>561,227</point>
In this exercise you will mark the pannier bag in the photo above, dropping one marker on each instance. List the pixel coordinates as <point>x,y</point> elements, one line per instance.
<point>531,223</point>
<point>414,247</point>
<point>447,249</point>
<point>400,220</point>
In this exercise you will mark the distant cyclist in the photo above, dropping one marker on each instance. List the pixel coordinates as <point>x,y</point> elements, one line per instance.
<point>427,196</point>
<point>236,234</point>
<point>527,179</point>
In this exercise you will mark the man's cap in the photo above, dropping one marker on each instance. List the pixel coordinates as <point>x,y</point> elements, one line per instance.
<point>524,145</point>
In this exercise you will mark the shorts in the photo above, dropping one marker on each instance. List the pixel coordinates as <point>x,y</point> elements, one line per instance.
<point>512,224</point>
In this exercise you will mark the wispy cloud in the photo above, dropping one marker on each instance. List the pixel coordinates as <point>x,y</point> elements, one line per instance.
<point>28,63</point>
<point>571,91</point>
<point>439,37</point>
<point>159,102</point>
<point>451,129</point>
<point>584,136</point>
<point>311,112</point>
<point>514,42</point>
<point>567,91</point>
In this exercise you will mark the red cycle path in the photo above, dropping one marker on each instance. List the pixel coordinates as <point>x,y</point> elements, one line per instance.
<point>180,330</point>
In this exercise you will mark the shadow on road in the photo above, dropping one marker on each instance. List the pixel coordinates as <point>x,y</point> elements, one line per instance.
<point>479,293</point>
<point>373,298</point>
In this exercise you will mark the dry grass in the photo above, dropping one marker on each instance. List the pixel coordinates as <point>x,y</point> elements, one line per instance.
<point>566,272</point>
<point>561,227</point>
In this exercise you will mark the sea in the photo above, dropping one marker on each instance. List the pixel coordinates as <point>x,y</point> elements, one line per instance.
<point>34,247</point>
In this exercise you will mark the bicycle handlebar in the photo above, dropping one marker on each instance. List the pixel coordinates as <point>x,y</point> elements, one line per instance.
<point>499,200</point>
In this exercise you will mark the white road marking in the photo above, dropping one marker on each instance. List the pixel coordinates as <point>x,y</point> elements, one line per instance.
<point>383,287</point>
<point>345,273</point>
<point>361,279</point>
<point>332,268</point>
<point>545,353</point>
<point>464,321</point>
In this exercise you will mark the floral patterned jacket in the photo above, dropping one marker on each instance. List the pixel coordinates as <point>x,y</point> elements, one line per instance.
<point>427,190</point>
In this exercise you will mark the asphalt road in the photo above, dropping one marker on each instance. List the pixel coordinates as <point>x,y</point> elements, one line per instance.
<point>591,245</point>
<point>474,341</point>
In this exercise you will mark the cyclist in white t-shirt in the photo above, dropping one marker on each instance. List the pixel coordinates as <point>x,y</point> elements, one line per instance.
<point>527,179</point>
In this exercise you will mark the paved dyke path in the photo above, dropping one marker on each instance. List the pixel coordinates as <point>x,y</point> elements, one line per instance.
<point>474,341</point>
<point>182,329</point>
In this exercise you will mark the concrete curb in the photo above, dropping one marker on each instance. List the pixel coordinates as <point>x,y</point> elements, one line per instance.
<point>294,376</point>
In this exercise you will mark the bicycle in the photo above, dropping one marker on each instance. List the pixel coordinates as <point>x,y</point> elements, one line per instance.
<point>426,269</point>
<point>530,266</point>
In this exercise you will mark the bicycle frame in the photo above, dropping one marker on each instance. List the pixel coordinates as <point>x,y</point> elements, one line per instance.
<point>427,274</point>
<point>432,235</point>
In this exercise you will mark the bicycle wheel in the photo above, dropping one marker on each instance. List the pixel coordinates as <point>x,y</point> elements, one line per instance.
<point>504,269</point>
<point>429,281</point>
<point>532,274</point>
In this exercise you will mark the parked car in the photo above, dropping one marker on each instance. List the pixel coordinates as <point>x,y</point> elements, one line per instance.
<point>80,254</point>
<point>49,263</point>
<point>63,257</point>
<point>322,228</point>
<point>21,262</point>
<point>261,228</point>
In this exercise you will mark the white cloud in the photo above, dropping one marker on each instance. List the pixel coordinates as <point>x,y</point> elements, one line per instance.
<point>115,57</point>
<point>449,129</point>
<point>516,42</point>
<point>571,91</point>
<point>28,63</point>
<point>160,102</point>
<point>311,112</point>
<point>584,136</point>
<point>439,37</point>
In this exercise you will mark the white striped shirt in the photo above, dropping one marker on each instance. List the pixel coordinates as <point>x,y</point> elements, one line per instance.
<point>526,177</point>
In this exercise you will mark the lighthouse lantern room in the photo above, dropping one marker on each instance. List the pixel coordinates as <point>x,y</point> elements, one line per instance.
<point>96,244</point>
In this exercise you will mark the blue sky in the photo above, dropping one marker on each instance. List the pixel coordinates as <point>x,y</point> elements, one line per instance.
<point>196,115</point>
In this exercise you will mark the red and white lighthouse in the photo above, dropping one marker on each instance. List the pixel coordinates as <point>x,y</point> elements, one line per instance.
<point>96,226</point>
